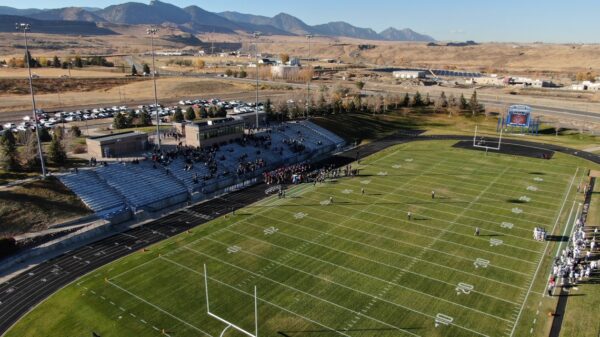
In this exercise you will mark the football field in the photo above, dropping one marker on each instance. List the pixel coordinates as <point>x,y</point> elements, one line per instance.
<point>330,260</point>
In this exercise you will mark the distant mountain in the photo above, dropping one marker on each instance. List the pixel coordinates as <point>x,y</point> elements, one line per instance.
<point>4,10</point>
<point>7,25</point>
<point>406,34</point>
<point>68,14</point>
<point>194,19</point>
<point>135,13</point>
<point>345,29</point>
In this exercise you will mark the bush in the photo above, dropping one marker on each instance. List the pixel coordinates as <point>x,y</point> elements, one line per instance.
<point>79,149</point>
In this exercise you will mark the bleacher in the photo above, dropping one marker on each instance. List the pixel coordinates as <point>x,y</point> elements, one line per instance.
<point>144,186</point>
<point>105,201</point>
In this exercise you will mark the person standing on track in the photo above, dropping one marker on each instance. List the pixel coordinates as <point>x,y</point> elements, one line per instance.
<point>362,190</point>
<point>432,194</point>
<point>409,215</point>
<point>477,231</point>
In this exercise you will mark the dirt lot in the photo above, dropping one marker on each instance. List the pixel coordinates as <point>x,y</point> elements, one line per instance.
<point>59,85</point>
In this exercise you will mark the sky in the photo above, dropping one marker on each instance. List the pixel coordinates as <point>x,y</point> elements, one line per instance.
<point>556,21</point>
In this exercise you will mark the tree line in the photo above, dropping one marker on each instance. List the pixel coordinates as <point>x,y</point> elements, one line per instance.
<point>57,62</point>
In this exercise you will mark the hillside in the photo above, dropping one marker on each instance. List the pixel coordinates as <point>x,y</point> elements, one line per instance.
<point>7,25</point>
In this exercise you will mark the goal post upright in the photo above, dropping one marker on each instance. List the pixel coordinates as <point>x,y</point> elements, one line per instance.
<point>495,148</point>
<point>229,324</point>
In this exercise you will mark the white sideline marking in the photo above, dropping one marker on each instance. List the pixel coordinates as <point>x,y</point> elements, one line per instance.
<point>158,308</point>
<point>389,284</point>
<point>260,299</point>
<point>340,285</point>
<point>566,194</point>
<point>362,258</point>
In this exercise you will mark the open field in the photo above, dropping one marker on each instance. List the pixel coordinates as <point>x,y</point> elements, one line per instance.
<point>354,267</point>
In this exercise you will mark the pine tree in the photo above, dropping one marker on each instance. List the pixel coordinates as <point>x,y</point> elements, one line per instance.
<point>144,119</point>
<point>120,121</point>
<point>147,69</point>
<point>133,70</point>
<point>463,102</point>
<point>56,62</point>
<point>417,99</point>
<point>79,62</point>
<point>56,151</point>
<point>178,116</point>
<point>8,151</point>
<point>406,101</point>
<point>190,114</point>
<point>203,112</point>
<point>75,131</point>
<point>474,103</point>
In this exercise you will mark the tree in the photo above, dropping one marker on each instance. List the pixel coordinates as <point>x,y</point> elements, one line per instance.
<point>203,112</point>
<point>56,151</point>
<point>200,64</point>
<point>417,99</point>
<point>28,59</point>
<point>268,107</point>
<point>228,72</point>
<point>30,154</point>
<point>222,112</point>
<point>78,62</point>
<point>243,74</point>
<point>56,62</point>
<point>178,116</point>
<point>462,104</point>
<point>133,70</point>
<point>427,100</point>
<point>8,151</point>
<point>65,65</point>
<point>146,69</point>
<point>144,119</point>
<point>75,131</point>
<point>44,135</point>
<point>442,102</point>
<point>285,58</point>
<point>120,121</point>
<point>190,114</point>
<point>474,103</point>
<point>360,85</point>
<point>406,101</point>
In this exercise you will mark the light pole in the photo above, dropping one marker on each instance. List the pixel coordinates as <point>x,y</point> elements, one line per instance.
<point>24,27</point>
<point>308,37</point>
<point>152,32</point>
<point>256,37</point>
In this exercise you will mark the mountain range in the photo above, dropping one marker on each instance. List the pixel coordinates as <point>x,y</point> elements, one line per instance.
<point>193,19</point>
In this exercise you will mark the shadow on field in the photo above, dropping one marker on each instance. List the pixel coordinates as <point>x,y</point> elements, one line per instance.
<point>300,332</point>
<point>516,201</point>
<point>538,173</point>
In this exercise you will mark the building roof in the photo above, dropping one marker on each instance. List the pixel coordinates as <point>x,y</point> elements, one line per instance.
<point>116,136</point>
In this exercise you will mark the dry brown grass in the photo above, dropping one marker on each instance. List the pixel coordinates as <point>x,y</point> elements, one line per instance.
<point>36,205</point>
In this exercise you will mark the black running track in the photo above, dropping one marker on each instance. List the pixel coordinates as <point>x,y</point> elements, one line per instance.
<point>29,288</point>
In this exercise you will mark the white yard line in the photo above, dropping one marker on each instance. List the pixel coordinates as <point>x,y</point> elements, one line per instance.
<point>158,308</point>
<point>544,254</point>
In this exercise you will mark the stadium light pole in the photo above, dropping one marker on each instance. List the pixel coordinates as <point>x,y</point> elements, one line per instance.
<point>308,37</point>
<point>152,32</point>
<point>25,27</point>
<point>256,37</point>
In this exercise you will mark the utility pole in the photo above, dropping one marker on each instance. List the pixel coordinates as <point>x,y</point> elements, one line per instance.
<point>25,27</point>
<point>308,37</point>
<point>152,32</point>
<point>256,37</point>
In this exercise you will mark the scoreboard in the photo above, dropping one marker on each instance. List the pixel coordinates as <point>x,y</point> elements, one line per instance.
<point>519,115</point>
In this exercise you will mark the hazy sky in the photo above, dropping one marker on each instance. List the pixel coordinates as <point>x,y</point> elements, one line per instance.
<point>480,20</point>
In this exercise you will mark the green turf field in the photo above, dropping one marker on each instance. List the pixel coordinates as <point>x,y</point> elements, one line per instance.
<point>355,267</point>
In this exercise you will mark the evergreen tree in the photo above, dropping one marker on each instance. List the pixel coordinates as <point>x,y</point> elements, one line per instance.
<point>463,102</point>
<point>178,116</point>
<point>442,102</point>
<point>56,152</point>
<point>120,121</point>
<point>56,62</point>
<point>133,70</point>
<point>203,112</point>
<point>75,131</point>
<point>190,114</point>
<point>406,100</point>
<point>8,151</point>
<point>79,62</point>
<point>28,59</point>
<point>31,156</point>
<point>427,100</point>
<point>44,135</point>
<point>417,99</point>
<point>268,107</point>
<point>243,74</point>
<point>474,103</point>
<point>357,103</point>
<point>144,119</point>
<point>147,69</point>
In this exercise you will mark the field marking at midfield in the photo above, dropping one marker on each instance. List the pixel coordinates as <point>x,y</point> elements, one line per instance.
<point>433,218</point>
<point>268,202</point>
<point>404,255</point>
<point>566,195</point>
<point>452,285</point>
<point>409,232</point>
<point>322,299</point>
<point>157,308</point>
<point>355,272</point>
<point>252,294</point>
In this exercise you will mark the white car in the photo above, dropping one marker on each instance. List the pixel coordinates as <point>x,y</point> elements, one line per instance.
<point>27,118</point>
